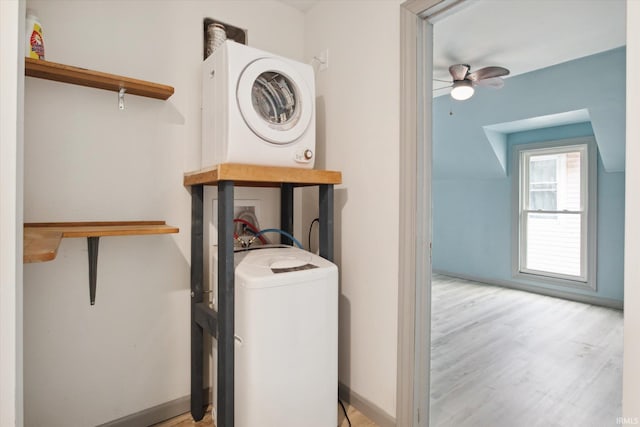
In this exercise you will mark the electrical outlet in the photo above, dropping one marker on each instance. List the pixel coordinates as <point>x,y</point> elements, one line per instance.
<point>323,59</point>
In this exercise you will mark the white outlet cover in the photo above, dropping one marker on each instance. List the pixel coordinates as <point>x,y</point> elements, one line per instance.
<point>324,60</point>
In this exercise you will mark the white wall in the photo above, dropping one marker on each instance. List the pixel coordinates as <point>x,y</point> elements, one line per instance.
<point>86,160</point>
<point>631,367</point>
<point>358,122</point>
<point>11,187</point>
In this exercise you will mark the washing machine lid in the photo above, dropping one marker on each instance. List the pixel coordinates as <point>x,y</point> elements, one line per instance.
<point>274,100</point>
<point>282,266</point>
<point>279,259</point>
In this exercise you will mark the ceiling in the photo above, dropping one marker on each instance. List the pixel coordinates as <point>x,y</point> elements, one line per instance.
<point>525,35</point>
<point>301,5</point>
<point>559,40</point>
<point>521,35</point>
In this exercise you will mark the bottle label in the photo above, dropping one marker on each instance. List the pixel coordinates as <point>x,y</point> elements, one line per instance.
<point>37,43</point>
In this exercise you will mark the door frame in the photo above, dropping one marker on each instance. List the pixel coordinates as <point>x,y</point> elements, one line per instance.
<point>12,17</point>
<point>414,263</point>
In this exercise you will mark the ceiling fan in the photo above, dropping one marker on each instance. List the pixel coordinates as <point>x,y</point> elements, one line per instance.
<point>464,80</point>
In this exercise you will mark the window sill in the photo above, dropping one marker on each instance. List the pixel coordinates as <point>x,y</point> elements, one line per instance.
<point>589,285</point>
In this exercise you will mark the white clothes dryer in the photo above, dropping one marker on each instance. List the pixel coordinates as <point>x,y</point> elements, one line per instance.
<point>257,108</point>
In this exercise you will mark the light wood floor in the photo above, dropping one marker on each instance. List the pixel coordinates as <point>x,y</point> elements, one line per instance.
<point>357,420</point>
<point>503,357</point>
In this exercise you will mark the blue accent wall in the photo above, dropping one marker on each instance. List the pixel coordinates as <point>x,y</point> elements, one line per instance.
<point>472,209</point>
<point>468,135</point>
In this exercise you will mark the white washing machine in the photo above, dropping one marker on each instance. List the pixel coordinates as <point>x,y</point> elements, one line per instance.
<point>286,339</point>
<point>257,108</point>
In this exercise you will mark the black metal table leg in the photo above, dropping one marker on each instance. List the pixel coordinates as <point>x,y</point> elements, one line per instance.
<point>286,212</point>
<point>226,297</point>
<point>326,221</point>
<point>197,335</point>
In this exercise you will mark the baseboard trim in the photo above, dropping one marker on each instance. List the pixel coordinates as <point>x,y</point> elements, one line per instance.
<point>587,299</point>
<point>156,414</point>
<point>182,405</point>
<point>370,410</point>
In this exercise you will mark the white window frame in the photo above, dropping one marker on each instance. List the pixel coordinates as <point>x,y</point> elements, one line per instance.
<point>588,196</point>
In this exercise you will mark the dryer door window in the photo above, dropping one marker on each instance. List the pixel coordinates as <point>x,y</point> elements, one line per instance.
<point>274,97</point>
<point>274,100</point>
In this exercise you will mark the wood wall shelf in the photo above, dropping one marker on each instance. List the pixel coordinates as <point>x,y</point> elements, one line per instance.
<point>97,79</point>
<point>41,240</point>
<point>40,244</point>
<point>261,176</point>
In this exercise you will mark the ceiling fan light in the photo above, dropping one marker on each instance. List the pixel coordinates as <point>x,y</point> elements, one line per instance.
<point>462,90</point>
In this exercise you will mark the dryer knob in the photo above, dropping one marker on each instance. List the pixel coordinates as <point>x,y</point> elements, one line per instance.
<point>308,154</point>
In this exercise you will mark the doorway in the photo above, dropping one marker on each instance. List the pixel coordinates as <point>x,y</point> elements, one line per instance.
<point>423,186</point>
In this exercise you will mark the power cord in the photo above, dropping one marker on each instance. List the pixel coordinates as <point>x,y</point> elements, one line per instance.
<point>311,228</point>
<point>345,412</point>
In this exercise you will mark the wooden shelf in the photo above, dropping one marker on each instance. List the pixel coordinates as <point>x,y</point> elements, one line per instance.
<point>83,77</point>
<point>261,176</point>
<point>42,239</point>
<point>40,244</point>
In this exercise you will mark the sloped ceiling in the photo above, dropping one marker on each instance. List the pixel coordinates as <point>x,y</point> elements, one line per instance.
<point>567,66</point>
<point>471,137</point>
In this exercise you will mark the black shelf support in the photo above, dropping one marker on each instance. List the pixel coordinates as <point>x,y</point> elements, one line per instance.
<point>92,246</point>
<point>226,294</point>
<point>326,221</point>
<point>197,334</point>
<point>286,212</point>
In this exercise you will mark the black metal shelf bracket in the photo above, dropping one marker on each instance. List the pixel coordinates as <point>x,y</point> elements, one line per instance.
<point>92,246</point>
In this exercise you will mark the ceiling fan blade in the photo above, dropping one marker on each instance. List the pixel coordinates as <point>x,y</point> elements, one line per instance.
<point>459,71</point>
<point>494,82</point>
<point>487,73</point>
<point>441,88</point>
<point>443,81</point>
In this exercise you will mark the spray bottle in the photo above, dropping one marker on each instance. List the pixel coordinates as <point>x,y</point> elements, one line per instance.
<point>34,37</point>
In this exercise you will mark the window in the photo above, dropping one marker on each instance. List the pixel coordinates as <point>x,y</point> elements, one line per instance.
<point>555,212</point>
